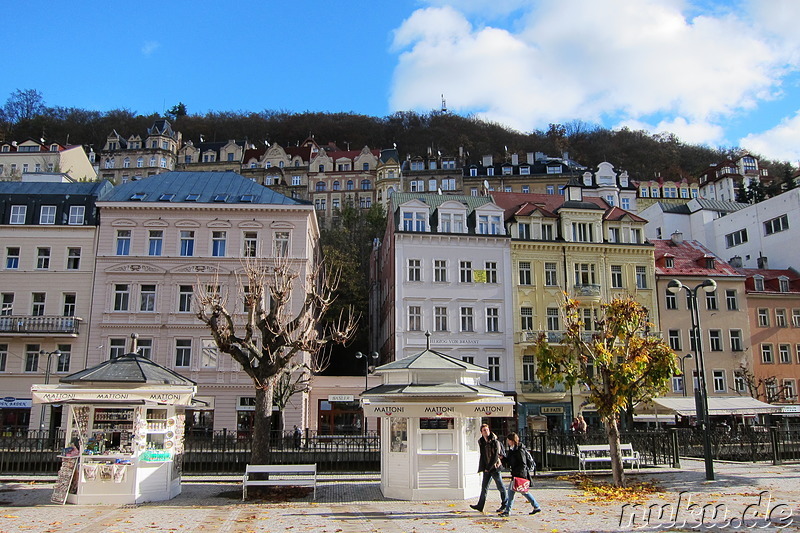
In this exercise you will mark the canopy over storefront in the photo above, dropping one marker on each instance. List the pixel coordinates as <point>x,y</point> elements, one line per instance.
<point>725,406</point>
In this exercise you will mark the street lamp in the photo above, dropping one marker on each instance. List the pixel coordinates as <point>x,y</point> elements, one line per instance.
<point>700,393</point>
<point>682,362</point>
<point>374,358</point>
<point>49,355</point>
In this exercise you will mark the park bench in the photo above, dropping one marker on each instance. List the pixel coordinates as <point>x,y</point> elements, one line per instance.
<point>597,453</point>
<point>288,475</point>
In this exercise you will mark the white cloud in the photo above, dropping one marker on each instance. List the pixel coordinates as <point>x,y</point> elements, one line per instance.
<point>780,142</point>
<point>149,47</point>
<point>664,62</point>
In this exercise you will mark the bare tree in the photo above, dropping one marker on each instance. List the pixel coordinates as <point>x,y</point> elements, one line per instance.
<point>760,388</point>
<point>282,334</point>
<point>23,105</point>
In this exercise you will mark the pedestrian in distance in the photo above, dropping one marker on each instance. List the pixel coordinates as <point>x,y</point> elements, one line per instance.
<point>490,463</point>
<point>520,462</point>
<point>298,435</point>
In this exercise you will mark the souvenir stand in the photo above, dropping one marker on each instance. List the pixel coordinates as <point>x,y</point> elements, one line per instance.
<point>125,425</point>
<point>430,407</point>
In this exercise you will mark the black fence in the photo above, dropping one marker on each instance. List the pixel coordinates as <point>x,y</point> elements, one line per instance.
<point>36,452</point>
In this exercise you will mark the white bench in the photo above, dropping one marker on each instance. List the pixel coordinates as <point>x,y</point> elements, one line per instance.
<point>289,475</point>
<point>596,453</point>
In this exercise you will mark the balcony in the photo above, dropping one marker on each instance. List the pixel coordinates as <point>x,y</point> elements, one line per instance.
<point>553,337</point>
<point>39,325</point>
<point>556,392</point>
<point>584,290</point>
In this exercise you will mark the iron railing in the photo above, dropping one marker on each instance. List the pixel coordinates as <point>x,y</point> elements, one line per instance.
<point>62,325</point>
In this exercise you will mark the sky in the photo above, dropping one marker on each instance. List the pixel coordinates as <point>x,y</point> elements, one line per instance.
<point>712,72</point>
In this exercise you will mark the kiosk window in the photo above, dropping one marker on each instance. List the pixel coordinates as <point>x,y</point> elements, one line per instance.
<point>399,434</point>
<point>437,434</point>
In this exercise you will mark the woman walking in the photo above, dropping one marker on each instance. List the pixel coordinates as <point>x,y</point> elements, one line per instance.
<point>518,460</point>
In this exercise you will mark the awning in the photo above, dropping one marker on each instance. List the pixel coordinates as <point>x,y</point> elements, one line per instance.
<point>685,406</point>
<point>164,395</point>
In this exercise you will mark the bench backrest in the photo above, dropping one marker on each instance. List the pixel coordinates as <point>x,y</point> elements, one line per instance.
<point>603,447</point>
<point>278,469</point>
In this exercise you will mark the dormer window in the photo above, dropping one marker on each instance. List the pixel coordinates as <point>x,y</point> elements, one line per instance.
<point>783,284</point>
<point>414,221</point>
<point>758,282</point>
<point>669,262</point>
<point>139,196</point>
<point>489,224</point>
<point>711,263</point>
<point>166,197</point>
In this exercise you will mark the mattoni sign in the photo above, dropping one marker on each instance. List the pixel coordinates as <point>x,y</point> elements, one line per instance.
<point>448,410</point>
<point>164,396</point>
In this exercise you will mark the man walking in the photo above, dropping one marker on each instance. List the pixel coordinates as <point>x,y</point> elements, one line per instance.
<point>489,464</point>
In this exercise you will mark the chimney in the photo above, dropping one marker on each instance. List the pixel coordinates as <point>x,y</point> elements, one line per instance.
<point>531,158</point>
<point>735,261</point>
<point>487,160</point>
<point>762,262</point>
<point>677,237</point>
<point>515,159</point>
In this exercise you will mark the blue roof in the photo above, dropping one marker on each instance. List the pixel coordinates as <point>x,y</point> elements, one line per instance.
<point>89,188</point>
<point>199,187</point>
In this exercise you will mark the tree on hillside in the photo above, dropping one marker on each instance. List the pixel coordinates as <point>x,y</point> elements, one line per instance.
<point>283,333</point>
<point>23,105</point>
<point>614,363</point>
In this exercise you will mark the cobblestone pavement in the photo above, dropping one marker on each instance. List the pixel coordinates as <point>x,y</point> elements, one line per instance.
<point>353,503</point>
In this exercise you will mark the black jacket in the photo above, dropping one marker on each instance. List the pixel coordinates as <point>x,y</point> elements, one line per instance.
<point>490,453</point>
<point>516,463</point>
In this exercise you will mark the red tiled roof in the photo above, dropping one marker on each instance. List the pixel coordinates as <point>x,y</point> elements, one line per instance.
<point>523,204</point>
<point>689,259</point>
<point>771,278</point>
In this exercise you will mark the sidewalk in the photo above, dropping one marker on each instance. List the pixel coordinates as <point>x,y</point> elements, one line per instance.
<point>353,503</point>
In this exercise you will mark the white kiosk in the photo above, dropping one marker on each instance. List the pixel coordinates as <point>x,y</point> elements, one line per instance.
<point>125,427</point>
<point>430,406</point>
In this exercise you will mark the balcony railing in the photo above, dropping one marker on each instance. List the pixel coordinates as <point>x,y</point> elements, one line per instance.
<point>587,289</point>
<point>37,325</point>
<point>553,337</point>
<point>537,387</point>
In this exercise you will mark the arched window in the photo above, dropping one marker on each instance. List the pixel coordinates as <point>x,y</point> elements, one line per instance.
<point>336,185</point>
<point>365,185</point>
<point>126,163</point>
<point>320,186</point>
<point>140,162</point>
<point>153,161</point>
<point>349,185</point>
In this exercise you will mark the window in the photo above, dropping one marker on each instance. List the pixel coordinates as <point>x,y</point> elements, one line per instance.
<point>144,347</point>
<point>771,390</point>
<point>3,356</point>
<point>489,224</point>
<point>776,225</point>
<point>281,244</point>
<point>763,318</point>
<point>736,340</point>
<point>320,187</point>
<point>12,257</point>
<point>582,232</point>
<point>494,368</point>
<point>693,340</point>
<point>458,223</point>
<point>250,244</point>
<point>641,277</point>
<point>730,299</point>
<point>711,301</point>
<point>780,318</point>
<point>366,185</point>
<point>616,276</point>
<point>736,238</point>
<point>766,354</point>
<point>337,186</point>
<point>69,304</point>
<point>739,383</point>
<point>626,204</point>
<point>467,319</point>
<point>349,185</point>
<point>465,271</point>
<point>218,242</point>
<point>524,231</point>
<point>7,304</point>
<point>491,272</point>
<point>584,274</point>
<point>613,235</point>
<point>116,348</point>
<point>37,309</point>
<point>719,380</point>
<point>147,296</point>
<point>185,293</point>
<point>783,284</point>
<point>187,243</point>
<point>62,361</point>
<point>671,300</point>
<point>414,318</point>
<point>552,319</point>
<point>492,319</point>
<point>440,270</point>
<point>47,215</point>
<point>796,318</point>
<point>547,232</point>
<point>414,270</point>
<point>31,358</point>
<point>209,355</point>
<point>121,296</point>
<point>789,390</point>
<point>18,213</point>
<point>528,368</point>
<point>123,242</point>
<point>440,318</point>
<point>677,384</point>
<point>551,274</point>
<point>785,353</point>
<point>675,339</point>
<point>526,318</point>
<point>525,277</point>
<point>715,340</point>
<point>758,283</point>
<point>155,242</point>
<point>183,352</point>
<point>42,258</point>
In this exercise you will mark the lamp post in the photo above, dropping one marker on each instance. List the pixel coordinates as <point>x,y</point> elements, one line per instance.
<point>49,355</point>
<point>701,392</point>
<point>682,362</point>
<point>367,358</point>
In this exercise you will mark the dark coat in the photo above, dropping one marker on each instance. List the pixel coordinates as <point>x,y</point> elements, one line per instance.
<point>515,462</point>
<point>490,454</point>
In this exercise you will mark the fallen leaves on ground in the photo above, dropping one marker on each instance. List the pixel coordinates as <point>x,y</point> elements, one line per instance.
<point>603,492</point>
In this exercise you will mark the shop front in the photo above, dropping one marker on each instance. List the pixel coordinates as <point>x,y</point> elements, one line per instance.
<point>15,415</point>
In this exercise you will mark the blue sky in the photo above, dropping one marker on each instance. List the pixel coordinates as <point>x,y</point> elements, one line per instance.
<point>721,73</point>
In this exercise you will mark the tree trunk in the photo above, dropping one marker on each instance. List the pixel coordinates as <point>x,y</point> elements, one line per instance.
<point>612,432</point>
<point>262,426</point>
